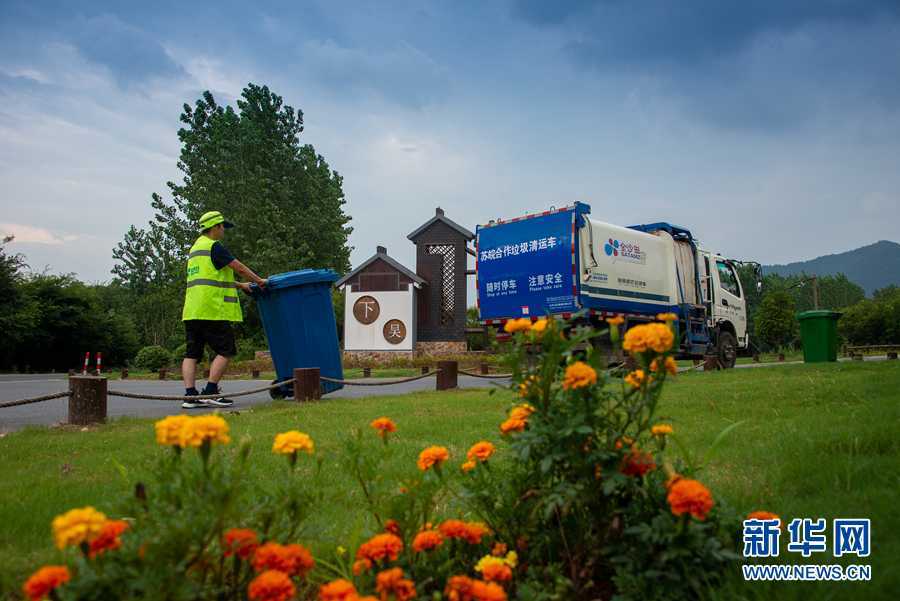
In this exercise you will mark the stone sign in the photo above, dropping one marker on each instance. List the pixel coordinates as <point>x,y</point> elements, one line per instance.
<point>366,310</point>
<point>394,331</point>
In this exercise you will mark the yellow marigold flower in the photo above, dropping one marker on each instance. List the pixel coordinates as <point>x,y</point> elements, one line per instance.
<point>41,583</point>
<point>661,429</point>
<point>522,411</point>
<point>670,365</point>
<point>517,325</point>
<point>540,325</point>
<point>690,496</point>
<point>512,559</point>
<point>168,430</point>
<point>636,378</point>
<point>651,336</point>
<point>432,456</point>
<point>526,386</point>
<point>468,466</point>
<point>198,430</point>
<point>481,451</point>
<point>494,568</point>
<point>615,321</point>
<point>384,426</point>
<point>292,441</point>
<point>667,317</point>
<point>77,526</point>
<point>579,375</point>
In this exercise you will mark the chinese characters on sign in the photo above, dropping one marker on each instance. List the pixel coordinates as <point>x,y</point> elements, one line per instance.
<point>394,331</point>
<point>501,287</point>
<point>366,310</point>
<point>520,248</point>
<point>807,536</point>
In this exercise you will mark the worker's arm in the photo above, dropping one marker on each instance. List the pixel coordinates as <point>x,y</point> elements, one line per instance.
<point>247,273</point>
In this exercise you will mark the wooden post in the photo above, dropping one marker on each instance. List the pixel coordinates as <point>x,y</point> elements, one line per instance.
<point>485,368</point>
<point>162,373</point>
<point>367,372</point>
<point>892,355</point>
<point>756,357</point>
<point>781,357</point>
<point>124,373</point>
<point>254,374</point>
<point>87,400</point>
<point>446,377</point>
<point>424,369</point>
<point>307,385</point>
<point>710,363</point>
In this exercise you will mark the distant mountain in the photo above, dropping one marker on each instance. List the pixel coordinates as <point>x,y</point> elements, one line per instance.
<point>872,267</point>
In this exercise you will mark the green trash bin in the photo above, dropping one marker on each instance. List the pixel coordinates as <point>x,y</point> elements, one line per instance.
<point>818,334</point>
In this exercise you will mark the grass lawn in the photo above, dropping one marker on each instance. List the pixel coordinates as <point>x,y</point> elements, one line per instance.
<point>817,441</point>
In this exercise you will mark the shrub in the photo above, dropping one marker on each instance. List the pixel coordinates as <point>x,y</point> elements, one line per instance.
<point>583,502</point>
<point>152,358</point>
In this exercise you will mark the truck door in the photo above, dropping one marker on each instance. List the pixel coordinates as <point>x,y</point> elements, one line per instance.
<point>729,303</point>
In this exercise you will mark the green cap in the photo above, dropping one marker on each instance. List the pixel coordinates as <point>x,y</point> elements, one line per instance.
<point>213,218</point>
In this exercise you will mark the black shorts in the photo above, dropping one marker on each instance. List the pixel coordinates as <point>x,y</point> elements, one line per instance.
<point>217,334</point>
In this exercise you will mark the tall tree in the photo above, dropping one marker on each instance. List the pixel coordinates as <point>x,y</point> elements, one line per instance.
<point>776,325</point>
<point>248,163</point>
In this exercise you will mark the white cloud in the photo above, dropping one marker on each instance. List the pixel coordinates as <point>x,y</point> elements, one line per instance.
<point>35,235</point>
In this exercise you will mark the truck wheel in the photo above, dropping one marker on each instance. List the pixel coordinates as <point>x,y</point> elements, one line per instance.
<point>727,350</point>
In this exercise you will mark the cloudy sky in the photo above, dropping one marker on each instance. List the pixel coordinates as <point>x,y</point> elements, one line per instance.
<point>772,131</point>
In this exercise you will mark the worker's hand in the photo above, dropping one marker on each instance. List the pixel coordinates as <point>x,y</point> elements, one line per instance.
<point>262,282</point>
<point>244,286</point>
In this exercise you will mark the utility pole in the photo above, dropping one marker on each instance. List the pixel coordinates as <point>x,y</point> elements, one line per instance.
<point>815,287</point>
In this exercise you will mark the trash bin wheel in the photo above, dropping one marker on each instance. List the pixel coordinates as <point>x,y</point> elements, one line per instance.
<point>277,394</point>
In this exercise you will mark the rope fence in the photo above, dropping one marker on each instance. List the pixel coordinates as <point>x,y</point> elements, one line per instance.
<point>197,397</point>
<point>485,376</point>
<point>39,399</point>
<point>380,382</point>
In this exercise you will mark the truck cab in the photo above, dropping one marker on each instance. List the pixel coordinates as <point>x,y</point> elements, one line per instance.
<point>726,304</point>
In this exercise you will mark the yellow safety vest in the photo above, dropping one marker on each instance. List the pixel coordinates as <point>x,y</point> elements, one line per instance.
<point>211,293</point>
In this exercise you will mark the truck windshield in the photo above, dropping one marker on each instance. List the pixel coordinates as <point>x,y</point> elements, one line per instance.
<point>728,278</point>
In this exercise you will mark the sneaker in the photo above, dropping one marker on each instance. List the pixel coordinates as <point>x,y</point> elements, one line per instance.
<point>218,402</point>
<point>194,403</point>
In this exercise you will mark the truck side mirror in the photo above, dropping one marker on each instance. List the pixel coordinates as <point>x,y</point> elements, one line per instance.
<point>758,286</point>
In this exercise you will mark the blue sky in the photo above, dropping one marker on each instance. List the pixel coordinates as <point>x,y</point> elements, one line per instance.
<point>771,129</point>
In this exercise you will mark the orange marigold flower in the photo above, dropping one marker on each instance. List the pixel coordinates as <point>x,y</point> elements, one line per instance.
<point>294,559</point>
<point>513,425</point>
<point>637,463</point>
<point>651,336</point>
<point>579,375</point>
<point>379,547</point>
<point>432,457</point>
<point>392,582</point>
<point>499,549</point>
<point>690,496</point>
<point>360,566</point>
<point>427,540</point>
<point>636,378</point>
<point>288,443</point>
<point>497,572</point>
<point>481,451</point>
<point>392,526</point>
<point>517,325</point>
<point>338,590</point>
<point>459,588</point>
<point>467,466</point>
<point>474,531</point>
<point>204,428</point>
<point>762,515</point>
<point>667,317</point>
<point>45,580</point>
<point>527,385</point>
<point>487,591</point>
<point>522,412</point>
<point>77,526</point>
<point>615,321</point>
<point>540,325</point>
<point>661,430</point>
<point>453,528</point>
<point>108,538</point>
<point>670,365</point>
<point>384,426</point>
<point>271,585</point>
<point>239,541</point>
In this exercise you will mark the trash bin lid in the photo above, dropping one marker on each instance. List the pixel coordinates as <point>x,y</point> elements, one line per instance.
<point>821,313</point>
<point>301,277</point>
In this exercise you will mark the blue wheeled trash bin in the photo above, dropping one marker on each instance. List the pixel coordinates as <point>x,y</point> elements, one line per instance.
<point>298,317</point>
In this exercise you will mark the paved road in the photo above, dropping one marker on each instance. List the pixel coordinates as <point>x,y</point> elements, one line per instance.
<point>53,412</point>
<point>16,386</point>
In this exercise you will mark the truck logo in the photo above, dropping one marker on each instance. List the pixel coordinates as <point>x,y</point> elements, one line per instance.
<point>624,251</point>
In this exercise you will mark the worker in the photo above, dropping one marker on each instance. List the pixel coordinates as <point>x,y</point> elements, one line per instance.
<point>210,306</point>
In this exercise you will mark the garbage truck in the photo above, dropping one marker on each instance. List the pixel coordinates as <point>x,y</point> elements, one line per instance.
<point>564,263</point>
